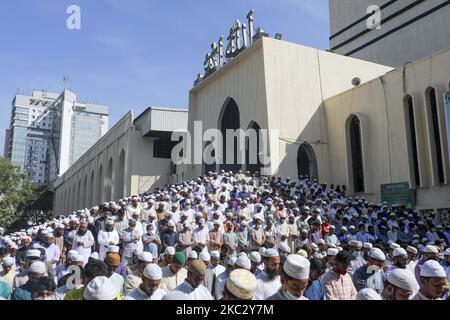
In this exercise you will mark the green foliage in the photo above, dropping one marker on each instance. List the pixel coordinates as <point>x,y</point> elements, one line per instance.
<point>17,195</point>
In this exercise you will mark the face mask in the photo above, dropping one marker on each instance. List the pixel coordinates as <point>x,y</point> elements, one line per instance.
<point>289,296</point>
<point>356,254</point>
<point>44,298</point>
<point>341,271</point>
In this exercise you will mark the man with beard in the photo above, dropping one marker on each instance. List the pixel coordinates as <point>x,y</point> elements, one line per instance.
<point>134,279</point>
<point>149,289</point>
<point>294,279</point>
<point>269,279</point>
<point>21,255</point>
<point>400,259</point>
<point>258,236</point>
<point>83,241</point>
<point>120,224</point>
<point>52,252</point>
<point>371,275</point>
<point>112,261</point>
<point>430,252</point>
<point>58,237</point>
<point>130,238</point>
<point>174,274</point>
<point>106,238</point>
<point>399,285</point>
<point>433,281</point>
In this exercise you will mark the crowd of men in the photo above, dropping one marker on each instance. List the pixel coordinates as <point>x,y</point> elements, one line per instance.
<point>232,237</point>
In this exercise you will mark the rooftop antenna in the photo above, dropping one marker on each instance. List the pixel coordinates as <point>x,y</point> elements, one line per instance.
<point>67,83</point>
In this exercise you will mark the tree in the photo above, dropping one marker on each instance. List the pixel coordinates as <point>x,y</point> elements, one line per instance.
<point>14,188</point>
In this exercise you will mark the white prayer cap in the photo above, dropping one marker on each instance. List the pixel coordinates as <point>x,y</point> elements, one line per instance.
<point>78,258</point>
<point>101,288</point>
<point>402,278</point>
<point>72,253</point>
<point>377,254</point>
<point>430,249</point>
<point>94,255</point>
<point>90,220</point>
<point>171,223</point>
<point>232,261</point>
<point>37,267</point>
<point>113,249</point>
<point>193,255</point>
<point>44,232</point>
<point>215,255</point>
<point>343,228</point>
<point>314,246</point>
<point>368,294</point>
<point>109,221</point>
<point>146,256</point>
<point>394,245</point>
<point>284,247</point>
<point>332,252</point>
<point>321,241</point>
<point>152,214</point>
<point>242,284</point>
<point>399,252</point>
<point>368,245</point>
<point>153,272</point>
<point>168,214</point>
<point>243,262</point>
<point>297,267</point>
<point>411,249</point>
<point>255,257</point>
<point>302,253</point>
<point>352,228</point>
<point>244,223</point>
<point>205,256</point>
<point>8,261</point>
<point>33,253</point>
<point>432,269</point>
<point>170,251</point>
<point>269,253</point>
<point>447,252</point>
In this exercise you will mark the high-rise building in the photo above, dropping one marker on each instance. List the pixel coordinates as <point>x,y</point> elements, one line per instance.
<point>408,30</point>
<point>50,131</point>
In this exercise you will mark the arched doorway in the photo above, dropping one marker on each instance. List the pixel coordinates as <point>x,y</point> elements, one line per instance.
<point>92,190</point>
<point>100,185</point>
<point>230,119</point>
<point>307,162</point>
<point>109,182</point>
<point>253,148</point>
<point>120,181</point>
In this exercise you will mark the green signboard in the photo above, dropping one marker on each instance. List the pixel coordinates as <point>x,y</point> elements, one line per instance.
<point>398,194</point>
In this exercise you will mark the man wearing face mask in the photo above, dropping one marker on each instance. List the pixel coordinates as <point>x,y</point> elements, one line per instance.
<point>338,283</point>
<point>149,289</point>
<point>399,285</point>
<point>294,279</point>
<point>269,279</point>
<point>430,252</point>
<point>151,241</point>
<point>357,256</point>
<point>371,275</point>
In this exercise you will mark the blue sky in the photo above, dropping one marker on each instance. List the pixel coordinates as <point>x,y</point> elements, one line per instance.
<point>131,54</point>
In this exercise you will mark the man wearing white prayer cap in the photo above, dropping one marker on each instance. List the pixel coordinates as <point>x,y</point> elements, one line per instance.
<point>36,270</point>
<point>241,285</point>
<point>106,238</point>
<point>412,254</point>
<point>283,250</point>
<point>430,252</point>
<point>371,274</point>
<point>368,294</point>
<point>149,289</point>
<point>169,252</point>
<point>269,279</point>
<point>83,241</point>
<point>399,285</point>
<point>193,255</point>
<point>8,273</point>
<point>243,262</point>
<point>255,259</point>
<point>221,280</point>
<point>134,279</point>
<point>399,259</point>
<point>100,288</point>
<point>294,279</point>
<point>215,263</point>
<point>433,281</point>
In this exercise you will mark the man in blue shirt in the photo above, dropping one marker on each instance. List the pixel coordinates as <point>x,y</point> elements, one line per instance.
<point>169,237</point>
<point>314,290</point>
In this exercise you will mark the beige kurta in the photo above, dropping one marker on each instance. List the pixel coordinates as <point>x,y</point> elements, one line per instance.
<point>170,280</point>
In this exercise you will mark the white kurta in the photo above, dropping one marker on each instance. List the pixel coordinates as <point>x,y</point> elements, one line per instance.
<point>186,292</point>
<point>266,286</point>
<point>85,249</point>
<point>104,239</point>
<point>139,294</point>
